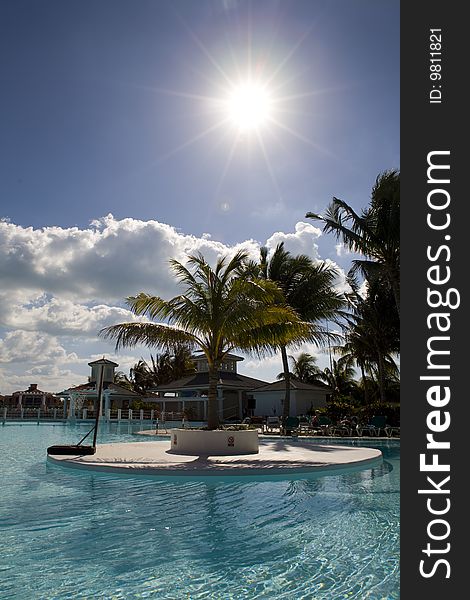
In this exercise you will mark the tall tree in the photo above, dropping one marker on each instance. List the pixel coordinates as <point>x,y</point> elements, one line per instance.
<point>375,233</point>
<point>304,368</point>
<point>163,368</point>
<point>340,377</point>
<point>307,288</point>
<point>371,333</point>
<point>220,309</point>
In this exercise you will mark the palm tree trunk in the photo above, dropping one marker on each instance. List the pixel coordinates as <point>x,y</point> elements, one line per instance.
<point>364,383</point>
<point>285,365</point>
<point>212,400</point>
<point>396,292</point>
<point>381,374</point>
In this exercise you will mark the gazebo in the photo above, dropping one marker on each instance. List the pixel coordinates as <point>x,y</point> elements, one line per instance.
<point>114,395</point>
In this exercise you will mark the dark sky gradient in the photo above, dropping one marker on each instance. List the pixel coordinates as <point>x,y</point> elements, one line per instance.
<point>87,128</point>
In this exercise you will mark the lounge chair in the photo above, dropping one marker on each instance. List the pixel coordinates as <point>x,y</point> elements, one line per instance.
<point>290,425</point>
<point>271,424</point>
<point>323,425</point>
<point>341,429</point>
<point>305,426</point>
<point>376,425</point>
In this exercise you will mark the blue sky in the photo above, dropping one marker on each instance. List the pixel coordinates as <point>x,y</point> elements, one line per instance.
<point>115,108</point>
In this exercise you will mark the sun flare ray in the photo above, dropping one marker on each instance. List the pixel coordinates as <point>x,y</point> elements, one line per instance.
<point>268,165</point>
<point>194,139</point>
<point>227,164</point>
<point>301,137</point>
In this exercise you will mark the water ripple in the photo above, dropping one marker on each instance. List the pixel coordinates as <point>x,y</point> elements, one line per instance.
<point>79,535</point>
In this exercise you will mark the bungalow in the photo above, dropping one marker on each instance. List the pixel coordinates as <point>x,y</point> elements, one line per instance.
<point>189,394</point>
<point>31,398</point>
<point>268,400</point>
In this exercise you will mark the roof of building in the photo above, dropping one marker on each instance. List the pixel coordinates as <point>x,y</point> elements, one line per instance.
<point>294,385</point>
<point>201,381</point>
<point>229,356</point>
<point>103,361</point>
<point>33,389</point>
<point>116,390</point>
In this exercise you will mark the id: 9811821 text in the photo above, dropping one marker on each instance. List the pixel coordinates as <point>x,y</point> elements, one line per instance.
<point>435,66</point>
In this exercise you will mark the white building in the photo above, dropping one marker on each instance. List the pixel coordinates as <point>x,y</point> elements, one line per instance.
<point>190,394</point>
<point>304,397</point>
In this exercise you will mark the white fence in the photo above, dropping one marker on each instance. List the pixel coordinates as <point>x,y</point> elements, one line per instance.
<point>57,414</point>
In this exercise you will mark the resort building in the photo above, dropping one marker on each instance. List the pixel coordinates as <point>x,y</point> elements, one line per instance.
<point>304,397</point>
<point>238,396</point>
<point>31,398</point>
<point>189,394</point>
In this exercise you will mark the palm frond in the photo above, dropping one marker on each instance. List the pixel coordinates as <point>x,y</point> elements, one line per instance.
<point>153,335</point>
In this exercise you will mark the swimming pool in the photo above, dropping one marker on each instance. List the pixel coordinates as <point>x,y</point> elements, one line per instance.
<point>67,534</point>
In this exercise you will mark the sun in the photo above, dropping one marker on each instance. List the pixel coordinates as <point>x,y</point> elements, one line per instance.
<point>249,106</point>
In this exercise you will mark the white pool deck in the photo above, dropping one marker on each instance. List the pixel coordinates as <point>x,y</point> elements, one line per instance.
<point>275,458</point>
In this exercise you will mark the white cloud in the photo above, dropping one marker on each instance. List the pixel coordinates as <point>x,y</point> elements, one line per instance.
<point>48,378</point>
<point>59,316</point>
<point>300,242</point>
<point>60,286</point>
<point>342,250</point>
<point>105,263</point>
<point>34,348</point>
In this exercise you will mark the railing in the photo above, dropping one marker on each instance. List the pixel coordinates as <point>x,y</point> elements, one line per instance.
<point>57,414</point>
<point>32,414</point>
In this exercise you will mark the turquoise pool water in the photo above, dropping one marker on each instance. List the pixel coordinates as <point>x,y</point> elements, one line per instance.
<point>67,534</point>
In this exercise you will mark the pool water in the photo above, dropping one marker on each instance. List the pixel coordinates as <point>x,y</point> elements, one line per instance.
<point>69,534</point>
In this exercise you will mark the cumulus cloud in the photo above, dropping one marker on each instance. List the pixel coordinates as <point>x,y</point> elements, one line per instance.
<point>302,241</point>
<point>106,262</point>
<point>33,347</point>
<point>342,250</point>
<point>60,286</point>
<point>69,280</point>
<point>50,378</point>
<point>59,316</point>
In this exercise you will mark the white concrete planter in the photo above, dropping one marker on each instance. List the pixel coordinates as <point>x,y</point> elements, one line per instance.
<point>213,443</point>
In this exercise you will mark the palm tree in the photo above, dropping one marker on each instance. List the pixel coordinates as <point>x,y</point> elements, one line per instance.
<point>371,333</point>
<point>357,348</point>
<point>375,233</point>
<point>221,309</point>
<point>308,289</point>
<point>304,368</point>
<point>120,378</point>
<point>142,376</point>
<point>181,361</point>
<point>163,368</point>
<point>340,377</point>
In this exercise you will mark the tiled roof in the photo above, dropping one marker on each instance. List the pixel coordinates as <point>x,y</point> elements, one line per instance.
<point>227,356</point>
<point>32,392</point>
<point>102,361</point>
<point>201,380</point>
<point>294,385</point>
<point>117,390</point>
